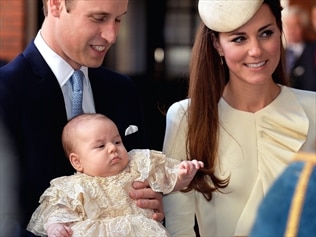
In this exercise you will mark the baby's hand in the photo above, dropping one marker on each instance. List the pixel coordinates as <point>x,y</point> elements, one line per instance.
<point>187,170</point>
<point>190,167</point>
<point>59,230</point>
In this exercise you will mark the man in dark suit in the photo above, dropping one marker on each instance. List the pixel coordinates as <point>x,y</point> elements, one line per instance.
<point>35,96</point>
<point>300,50</point>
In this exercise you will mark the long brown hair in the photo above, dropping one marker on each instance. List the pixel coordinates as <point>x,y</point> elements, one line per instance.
<point>208,77</point>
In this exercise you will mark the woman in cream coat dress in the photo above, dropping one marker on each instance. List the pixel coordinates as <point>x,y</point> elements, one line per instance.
<point>240,119</point>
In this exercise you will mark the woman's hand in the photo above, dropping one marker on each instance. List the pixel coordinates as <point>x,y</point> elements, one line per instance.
<point>148,199</point>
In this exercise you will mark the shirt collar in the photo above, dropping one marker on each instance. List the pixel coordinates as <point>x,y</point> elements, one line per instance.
<point>61,69</point>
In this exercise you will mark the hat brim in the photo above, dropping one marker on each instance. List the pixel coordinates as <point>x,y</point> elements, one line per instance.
<point>227,15</point>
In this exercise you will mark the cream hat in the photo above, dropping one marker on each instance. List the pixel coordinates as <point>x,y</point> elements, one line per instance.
<point>227,15</point>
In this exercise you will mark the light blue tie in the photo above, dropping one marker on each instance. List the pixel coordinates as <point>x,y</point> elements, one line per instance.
<point>77,85</point>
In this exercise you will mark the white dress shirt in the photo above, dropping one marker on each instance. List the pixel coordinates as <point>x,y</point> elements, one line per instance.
<point>63,71</point>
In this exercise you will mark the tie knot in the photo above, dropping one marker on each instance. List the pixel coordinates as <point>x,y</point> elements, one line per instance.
<point>77,80</point>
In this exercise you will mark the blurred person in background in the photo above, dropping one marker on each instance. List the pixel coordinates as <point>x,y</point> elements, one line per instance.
<point>8,185</point>
<point>313,17</point>
<point>300,50</point>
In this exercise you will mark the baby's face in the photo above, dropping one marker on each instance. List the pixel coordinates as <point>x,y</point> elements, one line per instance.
<point>100,148</point>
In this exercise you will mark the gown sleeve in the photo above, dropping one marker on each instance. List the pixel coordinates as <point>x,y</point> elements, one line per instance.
<point>179,207</point>
<point>62,202</point>
<point>159,170</point>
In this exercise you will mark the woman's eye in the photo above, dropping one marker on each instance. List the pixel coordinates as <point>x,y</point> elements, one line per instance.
<point>238,39</point>
<point>267,33</point>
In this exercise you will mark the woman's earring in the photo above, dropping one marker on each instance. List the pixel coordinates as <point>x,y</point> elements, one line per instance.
<point>221,57</point>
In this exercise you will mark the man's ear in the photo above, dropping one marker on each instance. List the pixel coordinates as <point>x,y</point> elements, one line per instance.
<point>55,7</point>
<point>75,162</point>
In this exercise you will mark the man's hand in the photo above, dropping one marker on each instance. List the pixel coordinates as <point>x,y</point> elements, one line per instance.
<point>59,230</point>
<point>148,199</point>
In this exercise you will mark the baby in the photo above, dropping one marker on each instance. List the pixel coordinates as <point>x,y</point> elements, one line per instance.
<point>95,200</point>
